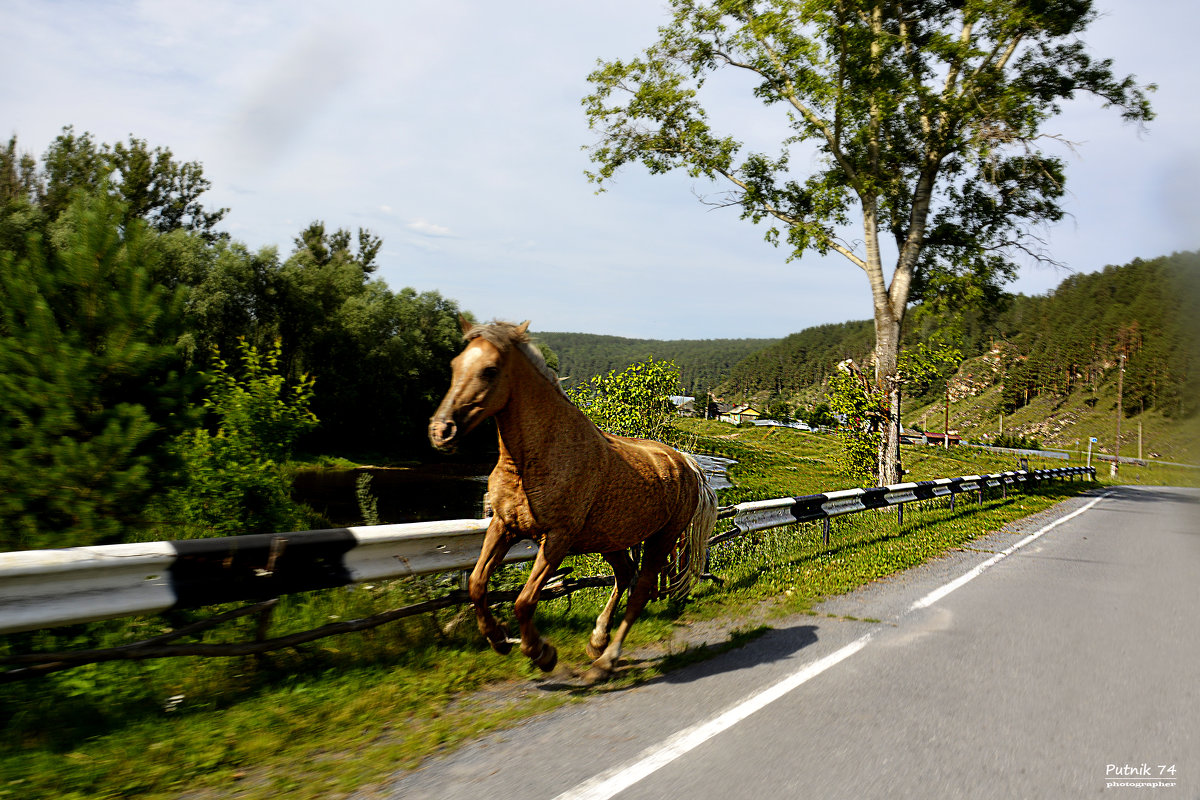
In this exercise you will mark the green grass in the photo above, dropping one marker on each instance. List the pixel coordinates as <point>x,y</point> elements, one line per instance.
<point>347,711</point>
<point>792,568</point>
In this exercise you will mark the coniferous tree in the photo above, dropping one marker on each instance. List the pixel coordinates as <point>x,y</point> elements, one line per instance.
<point>90,379</point>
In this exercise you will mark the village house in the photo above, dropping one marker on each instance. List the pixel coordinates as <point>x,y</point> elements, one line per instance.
<point>740,413</point>
<point>684,406</point>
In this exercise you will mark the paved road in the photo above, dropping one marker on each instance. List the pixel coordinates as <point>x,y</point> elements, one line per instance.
<point>1047,665</point>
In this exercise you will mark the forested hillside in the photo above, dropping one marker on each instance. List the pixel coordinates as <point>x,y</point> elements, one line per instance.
<point>703,363</point>
<point>1069,338</point>
<point>801,360</point>
<point>1075,336</point>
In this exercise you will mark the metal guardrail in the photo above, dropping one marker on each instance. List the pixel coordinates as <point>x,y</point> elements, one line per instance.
<point>48,588</point>
<point>762,514</point>
<point>1062,455</point>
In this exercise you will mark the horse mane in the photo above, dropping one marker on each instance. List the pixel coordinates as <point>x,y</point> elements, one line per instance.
<point>506,336</point>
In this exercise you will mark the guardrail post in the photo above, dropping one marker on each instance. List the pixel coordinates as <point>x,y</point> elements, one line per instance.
<point>825,531</point>
<point>900,516</point>
<point>263,625</point>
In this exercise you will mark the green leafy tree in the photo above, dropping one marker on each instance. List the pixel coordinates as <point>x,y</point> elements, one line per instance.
<point>927,117</point>
<point>380,355</point>
<point>819,415</point>
<point>928,365</point>
<point>20,214</point>
<point>312,289</point>
<point>91,384</point>
<point>149,182</point>
<point>235,479</point>
<point>864,408</point>
<point>778,410</point>
<point>18,175</point>
<point>231,291</point>
<point>633,402</point>
<point>164,192</point>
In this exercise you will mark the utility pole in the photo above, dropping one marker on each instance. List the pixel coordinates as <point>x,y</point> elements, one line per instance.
<point>1116,465</point>
<point>1140,440</point>
<point>947,442</point>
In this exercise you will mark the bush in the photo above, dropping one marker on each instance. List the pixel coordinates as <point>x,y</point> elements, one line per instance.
<point>1016,442</point>
<point>634,402</point>
<point>235,481</point>
<point>859,434</point>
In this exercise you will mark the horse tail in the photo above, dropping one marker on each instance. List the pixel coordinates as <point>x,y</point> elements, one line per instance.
<point>690,555</point>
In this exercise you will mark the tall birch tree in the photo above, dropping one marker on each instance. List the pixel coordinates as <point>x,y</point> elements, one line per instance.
<point>928,119</point>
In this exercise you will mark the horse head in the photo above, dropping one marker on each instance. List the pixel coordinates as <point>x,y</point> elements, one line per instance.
<point>480,382</point>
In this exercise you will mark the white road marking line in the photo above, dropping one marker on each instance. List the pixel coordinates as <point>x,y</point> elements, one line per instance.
<point>608,783</point>
<point>942,591</point>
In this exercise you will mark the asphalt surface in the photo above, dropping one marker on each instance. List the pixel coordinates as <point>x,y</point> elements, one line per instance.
<point>1066,667</point>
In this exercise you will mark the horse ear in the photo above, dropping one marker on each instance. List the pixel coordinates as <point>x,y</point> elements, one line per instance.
<point>523,328</point>
<point>465,324</point>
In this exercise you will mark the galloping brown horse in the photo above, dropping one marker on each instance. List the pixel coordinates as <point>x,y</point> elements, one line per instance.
<point>571,488</point>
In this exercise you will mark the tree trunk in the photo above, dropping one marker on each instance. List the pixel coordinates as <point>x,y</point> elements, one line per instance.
<point>890,304</point>
<point>887,355</point>
<point>887,345</point>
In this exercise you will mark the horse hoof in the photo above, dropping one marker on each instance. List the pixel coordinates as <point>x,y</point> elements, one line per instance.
<point>595,651</point>
<point>503,647</point>
<point>548,659</point>
<point>596,675</point>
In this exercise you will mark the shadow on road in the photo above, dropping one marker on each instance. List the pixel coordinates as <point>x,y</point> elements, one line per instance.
<point>1159,494</point>
<point>770,645</point>
<point>700,661</point>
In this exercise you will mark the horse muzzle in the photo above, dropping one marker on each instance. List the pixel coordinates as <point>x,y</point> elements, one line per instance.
<point>443,434</point>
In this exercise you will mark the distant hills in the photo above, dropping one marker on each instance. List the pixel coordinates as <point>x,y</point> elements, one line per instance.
<point>703,363</point>
<point>801,362</point>
<point>1054,350</point>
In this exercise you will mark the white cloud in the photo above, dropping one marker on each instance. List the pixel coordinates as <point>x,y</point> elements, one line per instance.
<point>429,229</point>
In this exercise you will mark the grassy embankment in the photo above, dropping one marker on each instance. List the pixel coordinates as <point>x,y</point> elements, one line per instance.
<point>347,711</point>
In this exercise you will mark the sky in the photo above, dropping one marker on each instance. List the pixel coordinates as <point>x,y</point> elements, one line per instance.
<point>454,130</point>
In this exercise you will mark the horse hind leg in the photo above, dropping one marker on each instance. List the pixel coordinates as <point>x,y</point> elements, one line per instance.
<point>654,557</point>
<point>623,567</point>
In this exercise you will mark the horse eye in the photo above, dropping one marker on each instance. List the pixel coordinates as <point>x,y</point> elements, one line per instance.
<point>489,373</point>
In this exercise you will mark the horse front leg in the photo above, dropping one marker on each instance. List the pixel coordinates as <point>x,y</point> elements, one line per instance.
<point>537,649</point>
<point>623,567</point>
<point>496,543</point>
